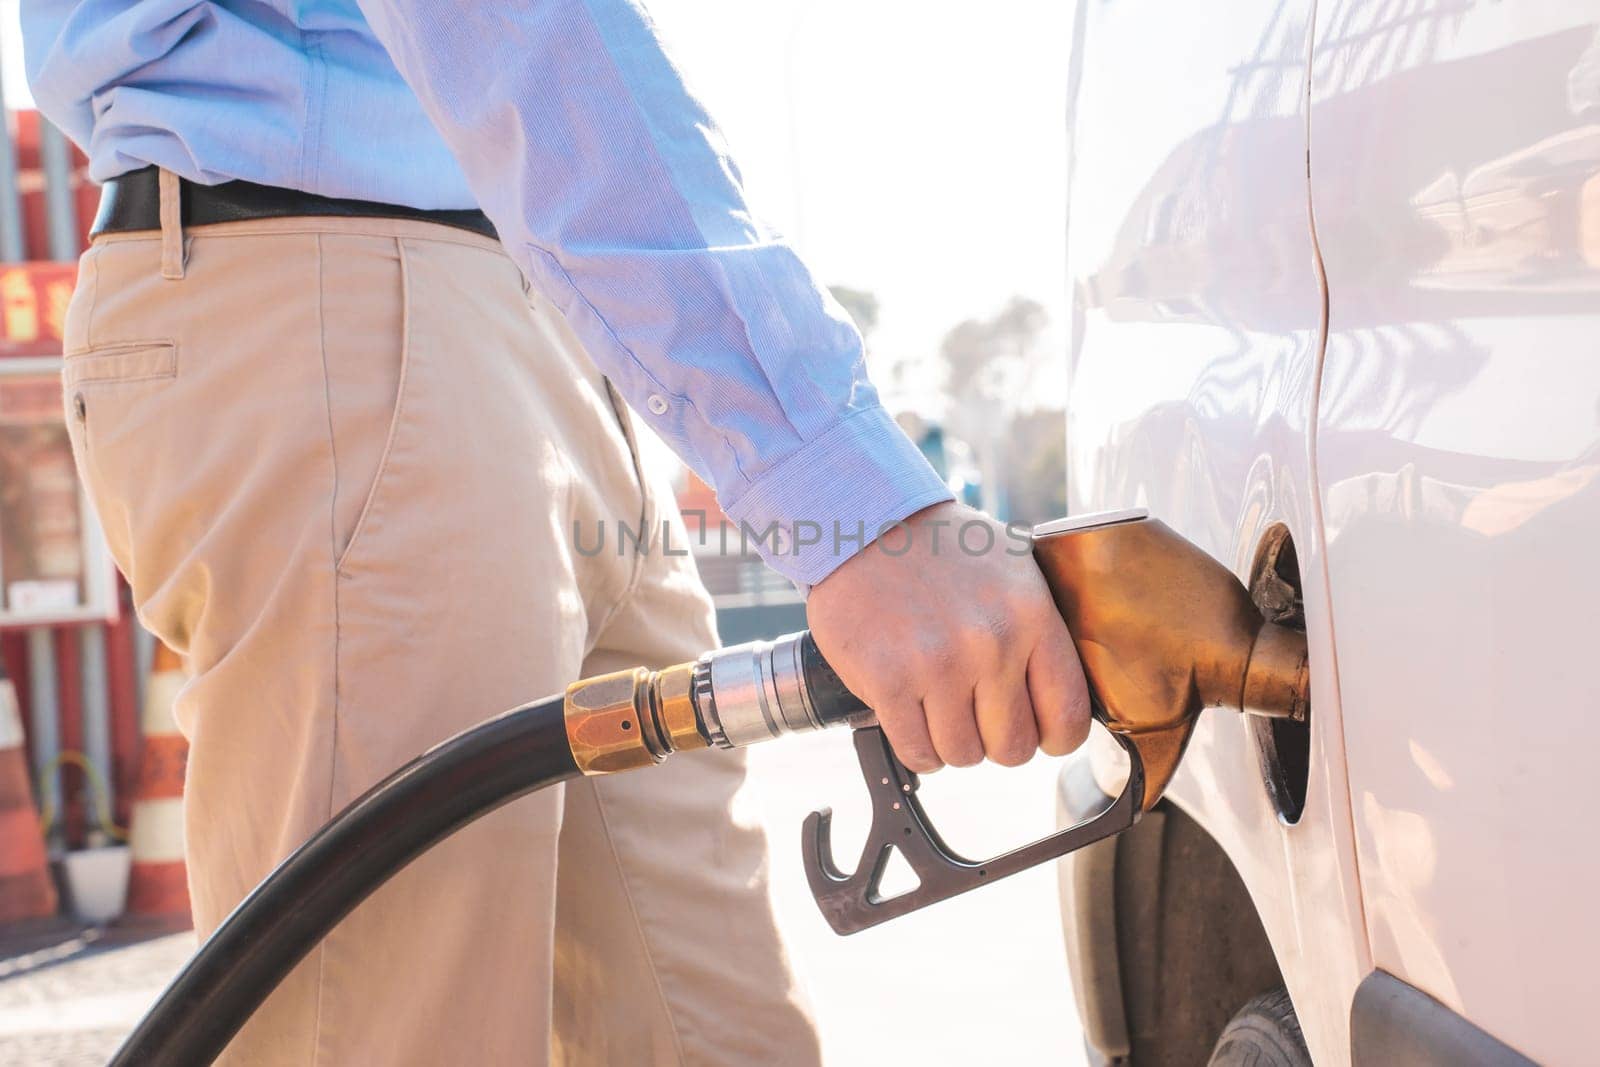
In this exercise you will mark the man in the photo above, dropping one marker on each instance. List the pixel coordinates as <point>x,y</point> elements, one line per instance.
<point>340,432</point>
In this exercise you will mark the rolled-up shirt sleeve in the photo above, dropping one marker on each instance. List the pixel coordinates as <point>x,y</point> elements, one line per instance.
<point>613,190</point>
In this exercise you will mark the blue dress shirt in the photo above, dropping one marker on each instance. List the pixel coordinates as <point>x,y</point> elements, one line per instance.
<point>610,187</point>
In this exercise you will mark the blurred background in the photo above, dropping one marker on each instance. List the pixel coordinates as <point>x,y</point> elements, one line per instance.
<point>919,165</point>
<point>917,158</point>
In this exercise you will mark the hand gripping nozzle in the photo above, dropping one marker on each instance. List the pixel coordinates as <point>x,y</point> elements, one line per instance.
<point>1162,629</point>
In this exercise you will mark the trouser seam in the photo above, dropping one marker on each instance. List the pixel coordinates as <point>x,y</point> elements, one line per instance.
<point>647,513</point>
<point>333,555</point>
<point>638,923</point>
<point>342,557</point>
<point>94,302</point>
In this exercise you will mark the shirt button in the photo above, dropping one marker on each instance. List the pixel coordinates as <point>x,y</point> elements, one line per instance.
<point>657,404</point>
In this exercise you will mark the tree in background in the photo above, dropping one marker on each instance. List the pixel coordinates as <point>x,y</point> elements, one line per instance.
<point>994,411</point>
<point>993,356</point>
<point>990,364</point>
<point>1038,478</point>
<point>861,304</point>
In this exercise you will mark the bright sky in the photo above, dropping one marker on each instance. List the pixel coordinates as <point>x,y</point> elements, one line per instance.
<point>913,149</point>
<point>916,150</point>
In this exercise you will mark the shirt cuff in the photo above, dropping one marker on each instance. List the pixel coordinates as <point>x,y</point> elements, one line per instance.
<point>829,500</point>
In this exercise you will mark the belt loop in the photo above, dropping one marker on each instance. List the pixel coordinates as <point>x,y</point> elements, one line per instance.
<point>171,225</point>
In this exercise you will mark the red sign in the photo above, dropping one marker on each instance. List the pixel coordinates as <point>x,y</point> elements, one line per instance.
<point>33,307</point>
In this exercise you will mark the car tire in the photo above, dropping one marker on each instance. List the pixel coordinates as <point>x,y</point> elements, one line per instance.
<point>1264,1033</point>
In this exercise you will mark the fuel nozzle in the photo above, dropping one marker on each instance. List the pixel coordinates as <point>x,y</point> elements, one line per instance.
<point>1163,630</point>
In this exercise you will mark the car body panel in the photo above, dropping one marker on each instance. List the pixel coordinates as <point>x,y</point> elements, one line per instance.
<point>1455,154</point>
<point>1197,333</point>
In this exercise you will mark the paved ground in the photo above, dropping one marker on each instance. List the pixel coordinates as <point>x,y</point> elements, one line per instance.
<point>977,979</point>
<point>70,1001</point>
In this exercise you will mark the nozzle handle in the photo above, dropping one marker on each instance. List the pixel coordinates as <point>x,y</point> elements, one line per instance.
<point>832,700</point>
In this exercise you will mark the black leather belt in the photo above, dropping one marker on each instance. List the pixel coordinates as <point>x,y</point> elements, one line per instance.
<point>132,202</point>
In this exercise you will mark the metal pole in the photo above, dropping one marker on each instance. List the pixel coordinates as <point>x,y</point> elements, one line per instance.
<point>11,246</point>
<point>144,651</point>
<point>56,160</point>
<point>46,739</point>
<point>61,213</point>
<point>97,709</point>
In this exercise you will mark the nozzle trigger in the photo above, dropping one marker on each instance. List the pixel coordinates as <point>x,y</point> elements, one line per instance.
<point>852,902</point>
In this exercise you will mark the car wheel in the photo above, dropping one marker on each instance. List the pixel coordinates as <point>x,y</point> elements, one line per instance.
<point>1264,1033</point>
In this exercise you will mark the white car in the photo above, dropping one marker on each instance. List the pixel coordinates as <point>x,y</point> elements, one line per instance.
<point>1336,319</point>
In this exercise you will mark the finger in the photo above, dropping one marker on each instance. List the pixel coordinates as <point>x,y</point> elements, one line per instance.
<point>1060,693</point>
<point>906,727</point>
<point>954,727</point>
<point>1005,717</point>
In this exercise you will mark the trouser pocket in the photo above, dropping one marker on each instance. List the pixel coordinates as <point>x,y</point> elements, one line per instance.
<point>210,416</point>
<point>106,389</point>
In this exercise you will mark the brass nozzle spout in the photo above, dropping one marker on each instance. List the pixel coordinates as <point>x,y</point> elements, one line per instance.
<point>1165,631</point>
<point>1277,679</point>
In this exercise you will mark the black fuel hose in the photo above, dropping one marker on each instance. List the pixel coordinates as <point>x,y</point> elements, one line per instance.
<point>369,842</point>
<point>347,860</point>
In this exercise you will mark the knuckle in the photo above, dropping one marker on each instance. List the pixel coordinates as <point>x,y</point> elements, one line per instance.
<point>1028,596</point>
<point>899,720</point>
<point>962,755</point>
<point>938,658</point>
<point>951,672</point>
<point>1061,744</point>
<point>1055,748</point>
<point>901,723</point>
<point>1012,755</point>
<point>1016,745</point>
<point>1050,628</point>
<point>890,689</point>
<point>1068,730</point>
<point>998,632</point>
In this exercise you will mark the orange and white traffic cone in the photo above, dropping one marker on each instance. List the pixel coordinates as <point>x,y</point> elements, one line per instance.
<point>158,888</point>
<point>26,889</point>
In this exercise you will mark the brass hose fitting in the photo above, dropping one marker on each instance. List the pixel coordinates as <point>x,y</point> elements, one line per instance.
<point>634,718</point>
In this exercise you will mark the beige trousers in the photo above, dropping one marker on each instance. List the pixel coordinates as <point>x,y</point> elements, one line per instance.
<point>340,462</point>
